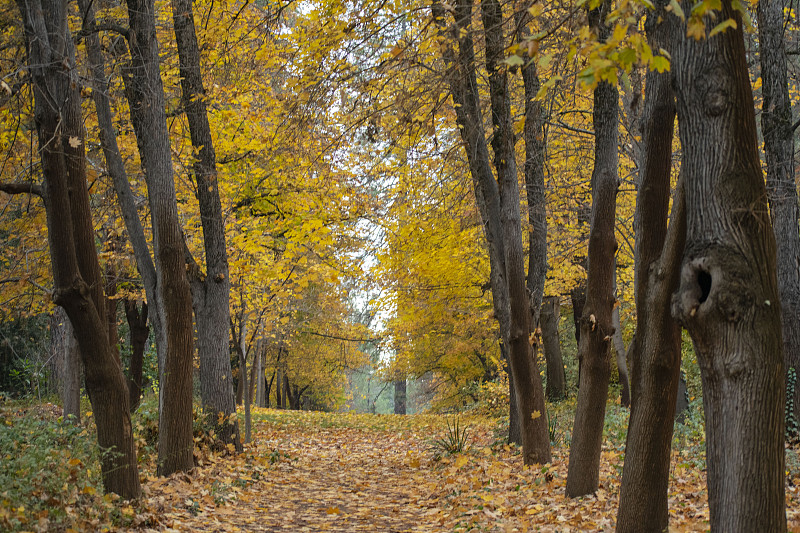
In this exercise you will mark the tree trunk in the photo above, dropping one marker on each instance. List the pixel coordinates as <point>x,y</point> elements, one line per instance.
<point>211,292</point>
<point>655,355</point>
<point>64,350</point>
<point>596,327</point>
<point>259,377</point>
<point>278,390</point>
<point>116,169</point>
<point>146,100</point>
<point>241,349</point>
<point>78,286</point>
<point>622,364</point>
<point>776,127</point>
<point>527,382</point>
<point>139,332</point>
<point>728,294</point>
<point>556,379</point>
<point>534,134</point>
<point>400,397</point>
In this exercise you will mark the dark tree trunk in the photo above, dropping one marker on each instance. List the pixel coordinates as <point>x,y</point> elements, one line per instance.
<point>288,397</point>
<point>462,79</point>
<point>776,127</point>
<point>578,297</point>
<point>279,390</point>
<point>728,294</point>
<point>534,135</point>
<point>400,397</point>
<point>596,325</point>
<point>211,292</point>
<point>64,350</point>
<point>146,100</point>
<point>655,356</point>
<point>139,332</point>
<point>527,382</point>
<point>78,286</point>
<point>116,169</point>
<point>556,379</point>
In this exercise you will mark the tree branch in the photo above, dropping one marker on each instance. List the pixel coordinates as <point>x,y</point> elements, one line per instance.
<point>22,188</point>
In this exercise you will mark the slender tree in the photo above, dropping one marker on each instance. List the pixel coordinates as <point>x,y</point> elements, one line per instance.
<point>776,127</point>
<point>146,100</point>
<point>596,326</point>
<point>728,294</point>
<point>211,290</point>
<point>655,356</point>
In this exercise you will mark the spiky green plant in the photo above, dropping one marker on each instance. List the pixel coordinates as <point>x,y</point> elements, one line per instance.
<point>454,439</point>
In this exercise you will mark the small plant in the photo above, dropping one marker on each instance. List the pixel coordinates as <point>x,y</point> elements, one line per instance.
<point>552,428</point>
<point>454,440</point>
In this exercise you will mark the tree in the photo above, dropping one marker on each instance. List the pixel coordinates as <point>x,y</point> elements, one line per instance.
<point>146,101</point>
<point>596,327</point>
<point>498,202</point>
<point>78,286</point>
<point>778,132</point>
<point>210,290</point>
<point>556,379</point>
<point>728,293</point>
<point>655,353</point>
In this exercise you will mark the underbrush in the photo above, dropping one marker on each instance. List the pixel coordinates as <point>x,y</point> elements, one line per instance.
<point>49,473</point>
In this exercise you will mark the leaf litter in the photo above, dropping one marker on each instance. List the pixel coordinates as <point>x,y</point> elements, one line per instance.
<point>308,472</point>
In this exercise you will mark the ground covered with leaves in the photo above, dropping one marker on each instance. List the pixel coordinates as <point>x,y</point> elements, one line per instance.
<point>308,471</point>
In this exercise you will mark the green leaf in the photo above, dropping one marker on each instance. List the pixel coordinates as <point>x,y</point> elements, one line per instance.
<point>659,63</point>
<point>722,26</point>
<point>675,7</point>
<point>514,61</point>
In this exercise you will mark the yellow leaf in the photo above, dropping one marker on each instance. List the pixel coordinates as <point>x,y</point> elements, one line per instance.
<point>74,141</point>
<point>333,510</point>
<point>461,461</point>
<point>536,414</point>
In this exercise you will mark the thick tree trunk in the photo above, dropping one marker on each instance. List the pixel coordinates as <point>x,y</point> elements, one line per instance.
<point>728,294</point>
<point>655,355</point>
<point>65,351</point>
<point>116,169</point>
<point>211,292</point>
<point>400,397</point>
<point>596,327</point>
<point>556,379</point>
<point>776,127</point>
<point>139,333</point>
<point>146,100</point>
<point>78,286</point>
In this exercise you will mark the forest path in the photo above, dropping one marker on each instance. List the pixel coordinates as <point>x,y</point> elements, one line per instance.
<point>307,477</point>
<point>340,472</point>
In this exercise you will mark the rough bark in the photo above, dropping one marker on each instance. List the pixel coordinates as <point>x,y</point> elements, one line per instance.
<point>655,356</point>
<point>776,127</point>
<point>728,293</point>
<point>146,101</point>
<point>211,291</point>
<point>116,169</point>
<point>139,333</point>
<point>78,286</point>
<point>400,397</point>
<point>596,327</point>
<point>556,379</point>
<point>64,350</point>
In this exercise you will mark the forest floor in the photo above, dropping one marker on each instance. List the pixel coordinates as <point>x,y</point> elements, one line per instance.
<point>306,471</point>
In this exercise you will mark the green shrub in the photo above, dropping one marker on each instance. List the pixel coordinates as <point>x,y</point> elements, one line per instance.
<point>454,439</point>
<point>49,473</point>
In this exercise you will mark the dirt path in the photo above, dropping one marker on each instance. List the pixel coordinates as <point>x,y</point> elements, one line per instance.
<point>312,480</point>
